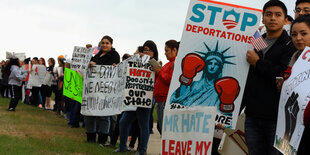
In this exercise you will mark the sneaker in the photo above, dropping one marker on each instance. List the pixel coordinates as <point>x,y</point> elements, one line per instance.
<point>119,150</point>
<point>11,109</point>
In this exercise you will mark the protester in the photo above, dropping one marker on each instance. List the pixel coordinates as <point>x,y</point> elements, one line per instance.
<point>163,80</point>
<point>34,89</point>
<point>16,77</point>
<point>142,114</point>
<point>101,124</point>
<point>302,7</point>
<point>300,32</point>
<point>43,87</point>
<point>27,90</point>
<point>59,73</point>
<point>50,82</point>
<point>261,96</point>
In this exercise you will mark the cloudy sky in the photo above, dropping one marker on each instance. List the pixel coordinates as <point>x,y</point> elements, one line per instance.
<point>52,27</point>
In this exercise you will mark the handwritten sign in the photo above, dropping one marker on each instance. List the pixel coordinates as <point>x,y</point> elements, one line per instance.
<point>37,75</point>
<point>295,96</point>
<point>103,90</point>
<point>81,57</point>
<point>73,85</point>
<point>188,131</point>
<point>139,84</point>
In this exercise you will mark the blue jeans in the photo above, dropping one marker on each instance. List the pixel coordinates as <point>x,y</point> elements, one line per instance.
<point>260,136</point>
<point>160,114</point>
<point>99,124</point>
<point>143,116</point>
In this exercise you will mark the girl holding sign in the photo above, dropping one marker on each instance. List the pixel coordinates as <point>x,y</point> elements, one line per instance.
<point>142,114</point>
<point>101,124</point>
<point>300,32</point>
<point>16,77</point>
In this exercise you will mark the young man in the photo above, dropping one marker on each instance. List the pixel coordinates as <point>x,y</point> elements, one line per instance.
<point>261,97</point>
<point>302,7</point>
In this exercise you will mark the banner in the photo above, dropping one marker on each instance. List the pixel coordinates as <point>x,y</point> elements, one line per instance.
<point>295,96</point>
<point>103,90</point>
<point>37,76</point>
<point>140,80</point>
<point>211,67</point>
<point>188,131</point>
<point>73,85</point>
<point>81,57</point>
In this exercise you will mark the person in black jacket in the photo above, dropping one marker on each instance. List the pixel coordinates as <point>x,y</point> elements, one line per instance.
<point>261,96</point>
<point>101,124</point>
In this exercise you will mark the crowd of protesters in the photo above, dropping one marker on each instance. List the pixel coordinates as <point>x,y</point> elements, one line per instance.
<point>261,96</point>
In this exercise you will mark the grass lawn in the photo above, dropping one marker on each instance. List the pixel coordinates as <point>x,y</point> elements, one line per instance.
<point>33,131</point>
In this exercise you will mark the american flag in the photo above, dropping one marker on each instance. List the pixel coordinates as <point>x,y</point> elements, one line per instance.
<point>258,42</point>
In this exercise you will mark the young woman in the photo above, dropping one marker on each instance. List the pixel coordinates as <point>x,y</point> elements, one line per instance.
<point>43,86</point>
<point>16,77</point>
<point>300,33</point>
<point>142,114</point>
<point>101,124</point>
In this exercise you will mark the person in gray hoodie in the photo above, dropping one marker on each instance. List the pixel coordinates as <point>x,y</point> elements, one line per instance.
<point>16,77</point>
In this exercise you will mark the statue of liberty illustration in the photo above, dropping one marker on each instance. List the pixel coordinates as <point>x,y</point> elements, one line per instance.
<point>212,89</point>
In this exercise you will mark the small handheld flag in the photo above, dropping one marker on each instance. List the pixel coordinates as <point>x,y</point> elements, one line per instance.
<point>258,42</point>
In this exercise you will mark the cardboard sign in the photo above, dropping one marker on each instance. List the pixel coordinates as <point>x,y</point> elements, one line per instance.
<point>295,96</point>
<point>73,85</point>
<point>37,75</point>
<point>211,67</point>
<point>188,131</point>
<point>81,57</point>
<point>103,90</point>
<point>140,81</point>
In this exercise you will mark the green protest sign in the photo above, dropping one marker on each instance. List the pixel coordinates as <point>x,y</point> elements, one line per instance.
<point>73,85</point>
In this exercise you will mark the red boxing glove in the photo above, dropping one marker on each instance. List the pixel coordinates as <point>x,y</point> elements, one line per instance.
<point>228,90</point>
<point>191,65</point>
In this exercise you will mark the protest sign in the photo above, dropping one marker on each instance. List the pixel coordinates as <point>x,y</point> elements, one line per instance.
<point>73,85</point>
<point>37,76</point>
<point>81,57</point>
<point>295,95</point>
<point>139,87</point>
<point>211,67</point>
<point>103,90</point>
<point>188,131</point>
<point>233,141</point>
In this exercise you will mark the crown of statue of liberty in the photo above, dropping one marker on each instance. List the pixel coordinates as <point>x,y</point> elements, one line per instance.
<point>216,54</point>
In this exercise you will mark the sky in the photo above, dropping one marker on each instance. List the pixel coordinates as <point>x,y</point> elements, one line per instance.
<point>51,28</point>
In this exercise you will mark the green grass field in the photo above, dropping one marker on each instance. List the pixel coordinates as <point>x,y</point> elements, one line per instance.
<point>34,131</point>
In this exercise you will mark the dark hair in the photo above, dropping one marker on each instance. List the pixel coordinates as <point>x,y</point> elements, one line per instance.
<point>278,3</point>
<point>290,18</point>
<point>140,49</point>
<point>150,44</point>
<point>172,44</point>
<point>108,38</point>
<point>12,61</point>
<point>301,19</point>
<point>26,61</point>
<point>301,1</point>
<point>125,56</point>
<point>52,60</point>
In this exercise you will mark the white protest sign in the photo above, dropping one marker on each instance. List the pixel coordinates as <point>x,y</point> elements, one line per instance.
<point>188,131</point>
<point>211,67</point>
<point>140,80</point>
<point>81,57</point>
<point>103,90</point>
<point>37,75</point>
<point>295,95</point>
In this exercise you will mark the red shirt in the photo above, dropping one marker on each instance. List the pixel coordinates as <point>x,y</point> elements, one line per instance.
<point>163,80</point>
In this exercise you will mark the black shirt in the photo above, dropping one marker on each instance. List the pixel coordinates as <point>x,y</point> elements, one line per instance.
<point>107,59</point>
